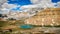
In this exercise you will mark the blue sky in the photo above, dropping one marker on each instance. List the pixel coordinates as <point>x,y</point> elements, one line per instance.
<point>25,2</point>
<point>55,1</point>
<point>20,2</point>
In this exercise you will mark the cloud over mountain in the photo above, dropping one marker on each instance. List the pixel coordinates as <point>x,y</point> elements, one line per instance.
<point>39,4</point>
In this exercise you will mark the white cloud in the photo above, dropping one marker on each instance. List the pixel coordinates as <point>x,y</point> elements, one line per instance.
<point>39,1</point>
<point>39,4</point>
<point>29,6</point>
<point>5,8</point>
<point>35,1</point>
<point>43,3</point>
<point>9,6</point>
<point>58,5</point>
<point>4,5</point>
<point>3,1</point>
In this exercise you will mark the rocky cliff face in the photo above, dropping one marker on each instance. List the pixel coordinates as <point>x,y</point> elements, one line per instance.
<point>47,16</point>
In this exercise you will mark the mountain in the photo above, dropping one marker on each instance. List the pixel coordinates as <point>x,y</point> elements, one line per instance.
<point>49,16</point>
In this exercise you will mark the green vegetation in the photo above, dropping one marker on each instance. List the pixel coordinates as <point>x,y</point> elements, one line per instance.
<point>3,23</point>
<point>46,26</point>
